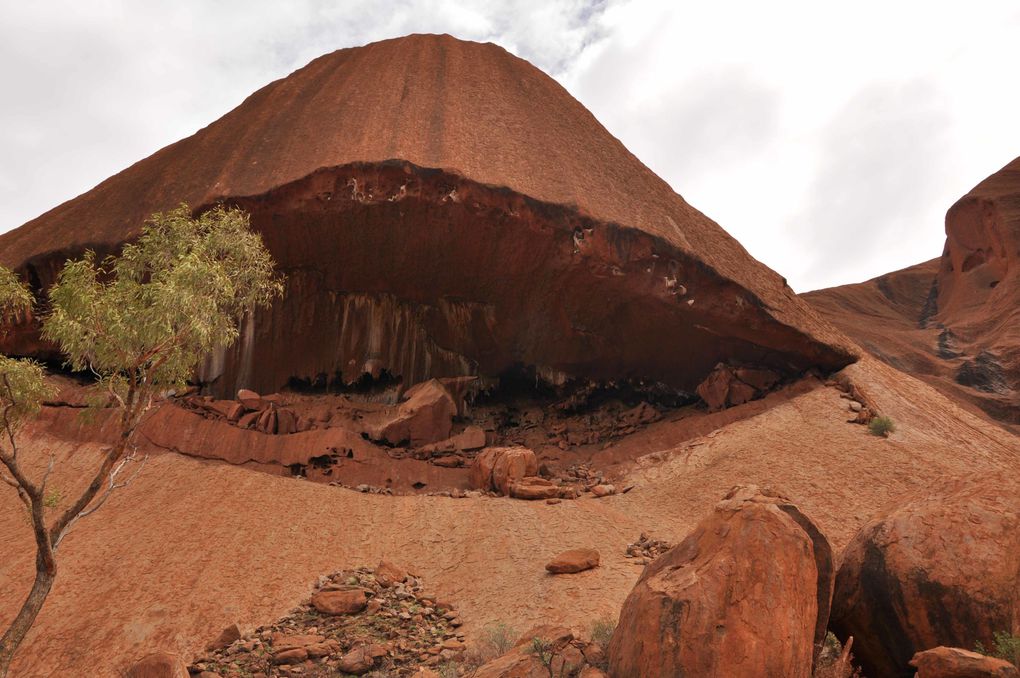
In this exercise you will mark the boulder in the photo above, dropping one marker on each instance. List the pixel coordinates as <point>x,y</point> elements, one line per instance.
<point>726,386</point>
<point>496,467</point>
<point>425,417</point>
<point>745,594</point>
<point>574,560</point>
<point>534,487</point>
<point>939,570</point>
<point>159,665</point>
<point>344,601</point>
<point>952,662</point>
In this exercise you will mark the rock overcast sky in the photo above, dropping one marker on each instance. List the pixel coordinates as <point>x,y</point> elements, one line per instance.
<point>828,138</point>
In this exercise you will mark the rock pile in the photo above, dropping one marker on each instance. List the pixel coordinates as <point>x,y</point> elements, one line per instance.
<point>726,386</point>
<point>355,622</point>
<point>646,549</point>
<point>249,411</point>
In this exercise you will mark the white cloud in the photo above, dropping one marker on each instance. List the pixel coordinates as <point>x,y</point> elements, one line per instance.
<point>828,138</point>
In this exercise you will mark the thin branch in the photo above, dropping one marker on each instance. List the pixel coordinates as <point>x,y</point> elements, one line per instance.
<point>49,469</point>
<point>110,488</point>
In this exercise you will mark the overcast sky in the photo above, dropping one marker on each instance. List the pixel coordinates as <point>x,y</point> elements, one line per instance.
<point>829,138</point>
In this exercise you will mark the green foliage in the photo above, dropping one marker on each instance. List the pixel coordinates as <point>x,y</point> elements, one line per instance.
<point>148,316</point>
<point>14,296</point>
<point>542,649</point>
<point>1004,646</point>
<point>881,426</point>
<point>53,498</point>
<point>602,632</point>
<point>500,638</point>
<point>22,391</point>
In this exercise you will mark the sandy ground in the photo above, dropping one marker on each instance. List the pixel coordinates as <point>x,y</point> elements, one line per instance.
<point>194,545</point>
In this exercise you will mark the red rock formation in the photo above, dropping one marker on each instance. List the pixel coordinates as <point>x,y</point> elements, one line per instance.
<point>444,208</point>
<point>953,662</point>
<point>954,321</point>
<point>746,594</point>
<point>496,468</point>
<point>941,570</point>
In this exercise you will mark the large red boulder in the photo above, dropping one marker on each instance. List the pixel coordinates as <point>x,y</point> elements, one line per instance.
<point>940,570</point>
<point>745,594</point>
<point>498,468</point>
<point>953,662</point>
<point>425,417</point>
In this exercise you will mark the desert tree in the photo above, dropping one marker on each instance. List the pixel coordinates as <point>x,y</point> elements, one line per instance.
<point>140,323</point>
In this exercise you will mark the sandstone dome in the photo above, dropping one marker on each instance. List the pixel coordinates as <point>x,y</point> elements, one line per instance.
<point>442,207</point>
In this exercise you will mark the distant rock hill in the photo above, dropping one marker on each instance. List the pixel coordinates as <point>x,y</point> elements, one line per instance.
<point>954,320</point>
<point>443,207</point>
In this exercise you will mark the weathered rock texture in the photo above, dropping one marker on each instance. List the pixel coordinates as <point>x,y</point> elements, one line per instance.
<point>953,662</point>
<point>443,208</point>
<point>746,594</point>
<point>158,665</point>
<point>941,570</point>
<point>954,321</point>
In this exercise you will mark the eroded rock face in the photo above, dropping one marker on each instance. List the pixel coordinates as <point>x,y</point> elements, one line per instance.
<point>746,594</point>
<point>414,250</point>
<point>941,570</point>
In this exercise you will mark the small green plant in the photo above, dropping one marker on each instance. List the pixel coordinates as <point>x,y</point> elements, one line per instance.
<point>602,632</point>
<point>542,649</point>
<point>1004,646</point>
<point>882,426</point>
<point>53,498</point>
<point>500,638</point>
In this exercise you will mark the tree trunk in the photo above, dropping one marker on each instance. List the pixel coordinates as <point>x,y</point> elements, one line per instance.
<point>45,573</point>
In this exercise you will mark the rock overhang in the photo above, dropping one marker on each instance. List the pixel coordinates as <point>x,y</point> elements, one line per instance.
<point>421,272</point>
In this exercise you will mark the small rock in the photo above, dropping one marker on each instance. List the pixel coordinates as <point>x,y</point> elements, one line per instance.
<point>349,601</point>
<point>294,656</point>
<point>357,661</point>
<point>603,490</point>
<point>574,560</point>
<point>227,637</point>
<point>388,574</point>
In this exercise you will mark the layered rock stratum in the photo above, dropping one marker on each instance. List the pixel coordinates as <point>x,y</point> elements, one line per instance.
<point>443,207</point>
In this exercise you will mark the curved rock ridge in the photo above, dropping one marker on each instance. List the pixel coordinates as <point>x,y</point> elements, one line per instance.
<point>442,207</point>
